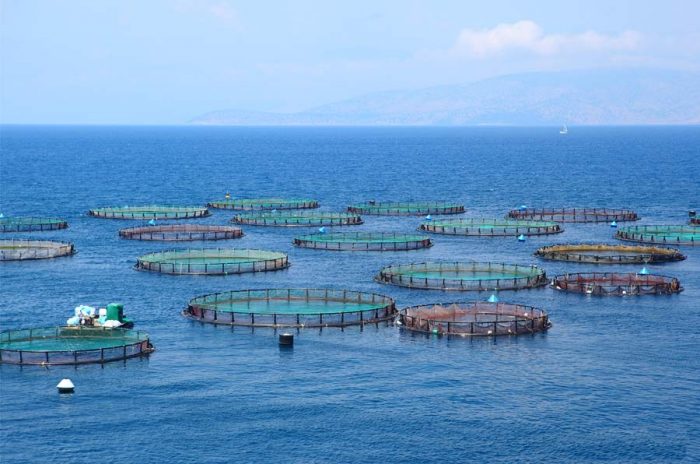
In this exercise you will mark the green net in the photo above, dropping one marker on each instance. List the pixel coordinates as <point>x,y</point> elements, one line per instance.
<point>490,227</point>
<point>16,250</point>
<point>30,224</point>
<point>263,203</point>
<point>363,241</point>
<point>474,319</point>
<point>150,212</point>
<point>181,232</point>
<point>609,254</point>
<point>212,261</point>
<point>410,208</point>
<point>71,345</point>
<point>291,308</point>
<point>671,235</point>
<point>297,219</point>
<point>574,214</point>
<point>466,276</point>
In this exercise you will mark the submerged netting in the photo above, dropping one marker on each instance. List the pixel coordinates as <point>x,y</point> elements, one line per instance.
<point>248,204</point>
<point>212,261</point>
<point>473,319</point>
<point>71,345</point>
<point>617,284</point>
<point>490,227</point>
<point>465,276</point>
<point>671,235</point>
<point>609,254</point>
<point>30,224</point>
<point>363,241</point>
<point>297,219</point>
<point>150,212</point>
<point>291,308</point>
<point>574,214</point>
<point>181,232</point>
<point>16,250</point>
<point>411,208</point>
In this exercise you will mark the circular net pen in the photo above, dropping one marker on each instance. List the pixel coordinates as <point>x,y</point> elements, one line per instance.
<point>663,235</point>
<point>297,219</point>
<point>617,284</point>
<point>490,227</point>
<point>411,208</point>
<point>212,261</point>
<point>150,212</point>
<point>252,204</point>
<point>72,345</point>
<point>291,308</point>
<point>363,241</point>
<point>609,254</point>
<point>18,250</point>
<point>31,224</point>
<point>181,233</point>
<point>474,319</point>
<point>574,214</point>
<point>463,276</point>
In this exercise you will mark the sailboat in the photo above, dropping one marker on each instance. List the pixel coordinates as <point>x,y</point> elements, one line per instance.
<point>564,130</point>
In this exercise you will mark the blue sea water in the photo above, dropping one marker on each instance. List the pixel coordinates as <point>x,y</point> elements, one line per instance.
<point>614,380</point>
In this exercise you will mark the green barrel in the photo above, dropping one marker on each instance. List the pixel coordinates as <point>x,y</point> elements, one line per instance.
<point>115,312</point>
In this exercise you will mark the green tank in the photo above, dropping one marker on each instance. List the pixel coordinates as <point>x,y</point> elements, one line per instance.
<point>115,312</point>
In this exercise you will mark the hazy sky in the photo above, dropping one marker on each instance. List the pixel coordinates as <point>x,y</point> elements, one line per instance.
<point>166,61</point>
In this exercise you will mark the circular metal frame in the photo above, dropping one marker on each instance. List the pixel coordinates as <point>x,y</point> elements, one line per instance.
<point>363,241</point>
<point>574,214</point>
<point>222,261</point>
<point>662,235</point>
<point>181,232</point>
<point>25,249</point>
<point>255,204</point>
<point>601,253</point>
<point>150,212</point>
<point>31,224</point>
<point>410,208</point>
<point>616,284</point>
<point>297,219</point>
<point>490,227</point>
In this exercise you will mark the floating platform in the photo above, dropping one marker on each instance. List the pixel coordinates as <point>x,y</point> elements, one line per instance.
<point>609,254</point>
<point>617,284</point>
<point>663,235</point>
<point>463,276</point>
<point>490,227</point>
<point>291,308</point>
<point>411,208</point>
<point>181,232</point>
<point>252,204</point>
<point>474,319</point>
<point>19,249</point>
<point>363,241</point>
<point>31,224</point>
<point>574,214</point>
<point>297,219</point>
<point>72,345</point>
<point>150,212</point>
<point>212,261</point>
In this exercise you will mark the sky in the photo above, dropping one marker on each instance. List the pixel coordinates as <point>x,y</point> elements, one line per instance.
<point>168,61</point>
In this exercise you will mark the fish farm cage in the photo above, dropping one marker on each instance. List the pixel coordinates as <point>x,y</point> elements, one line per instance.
<point>694,221</point>
<point>363,241</point>
<point>463,276</point>
<point>150,212</point>
<point>181,232</point>
<point>574,214</point>
<point>617,284</point>
<point>20,249</point>
<point>411,208</point>
<point>72,345</point>
<point>300,308</point>
<point>609,254</point>
<point>474,319</point>
<point>297,219</point>
<point>252,204</point>
<point>490,227</point>
<point>663,235</point>
<point>31,224</point>
<point>212,261</point>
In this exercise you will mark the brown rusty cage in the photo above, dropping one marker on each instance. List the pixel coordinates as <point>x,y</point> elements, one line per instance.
<point>574,214</point>
<point>617,284</point>
<point>609,254</point>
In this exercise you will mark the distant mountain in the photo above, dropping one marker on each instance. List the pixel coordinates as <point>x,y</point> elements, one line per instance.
<point>593,97</point>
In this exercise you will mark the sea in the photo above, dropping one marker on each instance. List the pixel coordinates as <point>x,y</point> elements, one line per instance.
<point>615,379</point>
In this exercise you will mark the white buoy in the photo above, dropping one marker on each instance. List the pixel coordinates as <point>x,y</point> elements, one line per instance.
<point>65,386</point>
<point>2,215</point>
<point>428,218</point>
<point>521,238</point>
<point>613,224</point>
<point>522,208</point>
<point>644,271</point>
<point>322,230</point>
<point>493,298</point>
<point>152,222</point>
